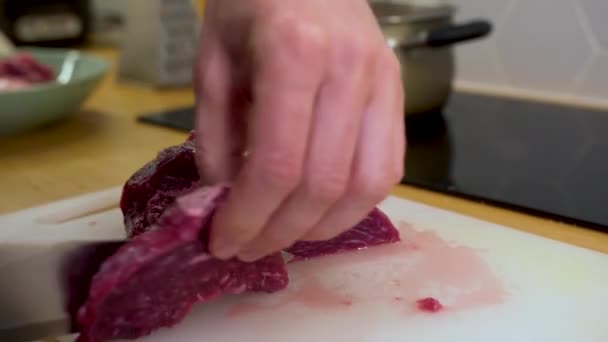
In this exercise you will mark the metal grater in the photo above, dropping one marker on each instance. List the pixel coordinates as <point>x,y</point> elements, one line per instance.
<point>159,46</point>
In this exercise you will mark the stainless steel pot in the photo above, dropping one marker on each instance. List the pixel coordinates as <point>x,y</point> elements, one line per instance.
<point>422,36</point>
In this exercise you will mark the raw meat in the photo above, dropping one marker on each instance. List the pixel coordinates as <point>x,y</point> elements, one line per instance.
<point>375,229</point>
<point>22,71</point>
<point>155,186</point>
<point>154,280</point>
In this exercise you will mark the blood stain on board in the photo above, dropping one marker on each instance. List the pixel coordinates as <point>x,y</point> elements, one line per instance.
<point>463,278</point>
<point>429,304</point>
<point>422,266</point>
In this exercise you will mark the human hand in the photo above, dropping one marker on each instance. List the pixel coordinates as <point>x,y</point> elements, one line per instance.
<point>313,95</point>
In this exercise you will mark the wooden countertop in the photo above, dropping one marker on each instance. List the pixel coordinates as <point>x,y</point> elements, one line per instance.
<point>103,145</point>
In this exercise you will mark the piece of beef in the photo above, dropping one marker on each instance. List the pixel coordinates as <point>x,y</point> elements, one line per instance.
<point>375,229</point>
<point>155,186</point>
<point>155,279</point>
<point>23,70</point>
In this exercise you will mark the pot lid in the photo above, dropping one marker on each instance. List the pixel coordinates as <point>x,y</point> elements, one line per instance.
<point>399,12</point>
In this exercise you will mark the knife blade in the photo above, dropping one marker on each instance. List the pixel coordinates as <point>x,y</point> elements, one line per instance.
<point>44,283</point>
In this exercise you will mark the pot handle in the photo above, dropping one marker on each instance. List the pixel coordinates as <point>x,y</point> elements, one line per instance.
<point>458,33</point>
<point>446,35</point>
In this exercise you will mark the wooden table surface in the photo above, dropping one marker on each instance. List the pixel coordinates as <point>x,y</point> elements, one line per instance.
<point>103,145</point>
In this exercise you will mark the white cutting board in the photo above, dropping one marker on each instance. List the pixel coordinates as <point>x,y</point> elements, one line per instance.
<point>497,284</point>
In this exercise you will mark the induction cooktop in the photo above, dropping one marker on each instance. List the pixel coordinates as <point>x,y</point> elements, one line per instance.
<point>546,159</point>
<point>538,157</point>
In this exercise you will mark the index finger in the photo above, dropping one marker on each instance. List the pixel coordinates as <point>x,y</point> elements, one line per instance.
<point>288,71</point>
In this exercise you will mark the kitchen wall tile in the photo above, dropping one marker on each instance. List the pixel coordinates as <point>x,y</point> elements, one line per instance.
<point>478,61</point>
<point>596,12</point>
<point>542,45</point>
<point>551,49</point>
<point>492,10</point>
<point>594,82</point>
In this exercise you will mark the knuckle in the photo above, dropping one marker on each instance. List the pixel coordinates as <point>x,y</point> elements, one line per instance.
<point>207,87</point>
<point>397,163</point>
<point>390,62</point>
<point>373,188</point>
<point>353,56</point>
<point>277,242</point>
<point>360,49</point>
<point>280,170</point>
<point>358,46</point>
<point>301,39</point>
<point>266,244</point>
<point>325,232</point>
<point>241,233</point>
<point>398,174</point>
<point>210,82</point>
<point>326,187</point>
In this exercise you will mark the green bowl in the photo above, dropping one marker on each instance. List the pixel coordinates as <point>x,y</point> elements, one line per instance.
<point>25,109</point>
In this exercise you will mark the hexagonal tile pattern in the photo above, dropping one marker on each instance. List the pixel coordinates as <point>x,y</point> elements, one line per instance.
<point>596,12</point>
<point>595,80</point>
<point>543,45</point>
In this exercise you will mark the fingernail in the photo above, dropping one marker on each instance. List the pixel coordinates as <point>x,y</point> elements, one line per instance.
<point>223,247</point>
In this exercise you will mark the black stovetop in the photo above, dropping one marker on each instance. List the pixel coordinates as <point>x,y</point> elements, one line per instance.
<point>547,159</point>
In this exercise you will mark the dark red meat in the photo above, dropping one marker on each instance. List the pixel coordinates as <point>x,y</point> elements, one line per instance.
<point>375,229</point>
<point>155,279</point>
<point>23,69</point>
<point>155,186</point>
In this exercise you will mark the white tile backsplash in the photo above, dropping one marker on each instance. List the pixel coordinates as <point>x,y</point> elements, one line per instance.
<point>596,12</point>
<point>493,10</point>
<point>543,51</point>
<point>594,82</point>
<point>480,62</point>
<point>543,46</point>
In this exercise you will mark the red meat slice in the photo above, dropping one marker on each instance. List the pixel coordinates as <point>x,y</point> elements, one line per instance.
<point>43,72</point>
<point>23,67</point>
<point>375,229</point>
<point>155,186</point>
<point>155,279</point>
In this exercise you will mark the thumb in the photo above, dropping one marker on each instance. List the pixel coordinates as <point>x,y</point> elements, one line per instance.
<point>219,124</point>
